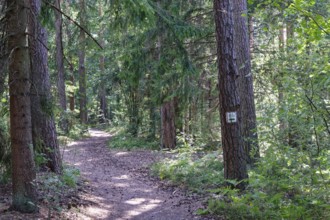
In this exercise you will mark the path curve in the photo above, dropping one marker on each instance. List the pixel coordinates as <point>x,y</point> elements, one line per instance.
<point>120,185</point>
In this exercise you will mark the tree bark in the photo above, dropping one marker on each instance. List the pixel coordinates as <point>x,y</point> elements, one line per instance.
<point>82,70</point>
<point>167,109</point>
<point>168,125</point>
<point>247,106</point>
<point>231,135</point>
<point>43,123</point>
<point>23,167</point>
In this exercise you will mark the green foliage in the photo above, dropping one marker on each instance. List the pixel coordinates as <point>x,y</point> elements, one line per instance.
<point>284,185</point>
<point>40,159</point>
<point>192,168</point>
<point>54,187</point>
<point>70,177</point>
<point>76,130</point>
<point>123,140</point>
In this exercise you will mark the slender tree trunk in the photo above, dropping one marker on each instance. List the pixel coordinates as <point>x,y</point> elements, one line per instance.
<point>293,134</point>
<point>248,112</point>
<point>3,61</point>
<point>168,125</point>
<point>71,66</point>
<point>102,94</point>
<point>152,123</point>
<point>43,124</point>
<point>82,70</point>
<point>230,112</point>
<point>71,96</point>
<point>283,122</point>
<point>134,110</point>
<point>102,91</point>
<point>151,109</point>
<point>60,67</point>
<point>23,167</point>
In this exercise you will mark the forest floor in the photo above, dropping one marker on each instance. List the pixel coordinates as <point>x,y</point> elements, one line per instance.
<point>115,184</point>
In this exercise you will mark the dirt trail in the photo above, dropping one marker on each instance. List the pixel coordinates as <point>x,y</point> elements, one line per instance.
<point>120,187</point>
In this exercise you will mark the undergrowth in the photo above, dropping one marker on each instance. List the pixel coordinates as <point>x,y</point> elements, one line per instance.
<point>54,188</point>
<point>124,140</point>
<point>192,169</point>
<point>285,184</point>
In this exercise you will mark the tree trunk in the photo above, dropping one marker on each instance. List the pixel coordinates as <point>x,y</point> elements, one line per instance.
<point>168,125</point>
<point>23,168</point>
<point>71,66</point>
<point>82,70</point>
<point>102,91</point>
<point>134,110</point>
<point>167,109</point>
<point>283,122</point>
<point>60,67</point>
<point>71,97</point>
<point>43,124</point>
<point>247,106</point>
<point>230,112</point>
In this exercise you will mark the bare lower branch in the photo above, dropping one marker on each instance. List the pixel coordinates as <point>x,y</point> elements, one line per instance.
<point>76,23</point>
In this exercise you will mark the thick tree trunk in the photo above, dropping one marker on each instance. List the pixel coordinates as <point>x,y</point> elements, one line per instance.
<point>43,124</point>
<point>248,112</point>
<point>168,125</point>
<point>23,168</point>
<point>167,109</point>
<point>82,70</point>
<point>230,112</point>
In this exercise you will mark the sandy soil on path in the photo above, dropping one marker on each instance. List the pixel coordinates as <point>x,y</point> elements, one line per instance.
<point>120,185</point>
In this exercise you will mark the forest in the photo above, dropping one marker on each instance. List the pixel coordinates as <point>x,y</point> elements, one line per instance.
<point>225,103</point>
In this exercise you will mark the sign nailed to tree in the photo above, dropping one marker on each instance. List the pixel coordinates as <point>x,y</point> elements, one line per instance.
<point>231,117</point>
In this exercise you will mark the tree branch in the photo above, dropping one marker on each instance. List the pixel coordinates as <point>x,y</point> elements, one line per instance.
<point>76,23</point>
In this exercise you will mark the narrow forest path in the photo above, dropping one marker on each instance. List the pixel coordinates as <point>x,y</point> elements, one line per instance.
<point>120,185</point>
